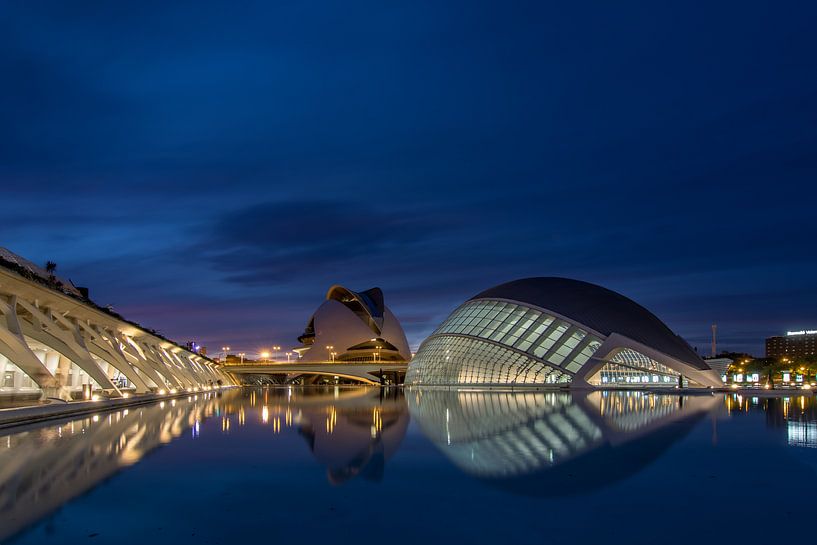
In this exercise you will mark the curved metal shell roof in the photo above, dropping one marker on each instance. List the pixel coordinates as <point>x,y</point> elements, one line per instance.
<point>598,308</point>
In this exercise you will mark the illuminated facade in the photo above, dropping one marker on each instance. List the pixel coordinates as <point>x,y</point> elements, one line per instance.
<point>795,344</point>
<point>354,327</point>
<point>556,331</point>
<point>55,342</point>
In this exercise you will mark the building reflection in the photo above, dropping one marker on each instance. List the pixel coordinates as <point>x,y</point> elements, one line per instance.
<point>351,431</point>
<point>43,467</point>
<point>554,443</point>
<point>795,414</point>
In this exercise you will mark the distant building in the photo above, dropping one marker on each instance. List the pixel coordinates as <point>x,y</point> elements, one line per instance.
<point>794,344</point>
<point>193,346</point>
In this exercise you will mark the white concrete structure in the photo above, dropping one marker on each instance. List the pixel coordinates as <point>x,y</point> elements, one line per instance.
<point>366,373</point>
<point>553,331</point>
<point>53,342</point>
<point>354,327</point>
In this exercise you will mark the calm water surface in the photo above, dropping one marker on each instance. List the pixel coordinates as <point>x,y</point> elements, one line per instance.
<point>365,465</point>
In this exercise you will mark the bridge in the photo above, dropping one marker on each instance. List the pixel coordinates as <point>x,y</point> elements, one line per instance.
<point>367,373</point>
<point>60,342</point>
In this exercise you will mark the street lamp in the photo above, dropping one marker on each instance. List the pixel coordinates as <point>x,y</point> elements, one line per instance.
<point>288,355</point>
<point>333,354</point>
<point>241,355</point>
<point>330,347</point>
<point>275,349</point>
<point>265,356</point>
<point>225,349</point>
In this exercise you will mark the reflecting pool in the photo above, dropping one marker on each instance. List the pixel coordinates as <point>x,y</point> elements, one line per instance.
<point>371,465</point>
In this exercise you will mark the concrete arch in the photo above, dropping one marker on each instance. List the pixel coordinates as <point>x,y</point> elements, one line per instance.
<point>161,366</point>
<point>341,375</point>
<point>37,318</point>
<point>616,343</point>
<point>103,345</point>
<point>365,373</point>
<point>137,357</point>
<point>14,347</point>
<point>67,340</point>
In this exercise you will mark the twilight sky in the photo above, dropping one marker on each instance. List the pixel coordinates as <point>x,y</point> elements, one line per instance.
<point>210,169</point>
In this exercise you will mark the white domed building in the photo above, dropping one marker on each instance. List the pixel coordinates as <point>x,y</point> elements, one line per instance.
<point>354,327</point>
<point>556,331</point>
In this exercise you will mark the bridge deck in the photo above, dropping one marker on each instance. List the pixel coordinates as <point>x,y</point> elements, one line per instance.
<point>365,372</point>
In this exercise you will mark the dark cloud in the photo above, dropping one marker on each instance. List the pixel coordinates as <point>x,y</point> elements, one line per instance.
<point>279,241</point>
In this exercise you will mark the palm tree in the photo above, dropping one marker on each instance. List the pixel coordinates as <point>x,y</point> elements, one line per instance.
<point>50,267</point>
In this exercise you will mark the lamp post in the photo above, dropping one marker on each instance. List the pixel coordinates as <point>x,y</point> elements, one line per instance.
<point>225,349</point>
<point>274,350</point>
<point>288,355</point>
<point>330,347</point>
<point>265,356</point>
<point>241,355</point>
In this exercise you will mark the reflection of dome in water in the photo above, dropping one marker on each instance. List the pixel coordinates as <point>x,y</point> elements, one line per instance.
<point>354,438</point>
<point>553,443</point>
<point>555,331</point>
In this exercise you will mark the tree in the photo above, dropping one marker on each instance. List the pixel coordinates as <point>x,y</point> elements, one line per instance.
<point>50,267</point>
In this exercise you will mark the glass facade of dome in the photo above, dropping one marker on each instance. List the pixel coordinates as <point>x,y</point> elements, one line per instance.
<point>499,342</point>
<point>556,331</point>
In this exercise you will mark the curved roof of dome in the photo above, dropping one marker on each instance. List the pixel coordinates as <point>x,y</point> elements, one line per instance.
<point>598,308</point>
<point>371,299</point>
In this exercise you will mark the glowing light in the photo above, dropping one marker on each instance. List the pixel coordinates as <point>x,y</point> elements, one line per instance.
<point>161,392</point>
<point>94,397</point>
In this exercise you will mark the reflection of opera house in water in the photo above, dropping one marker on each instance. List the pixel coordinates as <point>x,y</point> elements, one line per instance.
<point>352,432</point>
<point>554,443</point>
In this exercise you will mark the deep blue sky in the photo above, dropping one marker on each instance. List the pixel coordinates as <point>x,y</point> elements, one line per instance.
<point>211,169</point>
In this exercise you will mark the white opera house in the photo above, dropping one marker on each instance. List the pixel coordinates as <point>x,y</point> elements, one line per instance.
<point>353,327</point>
